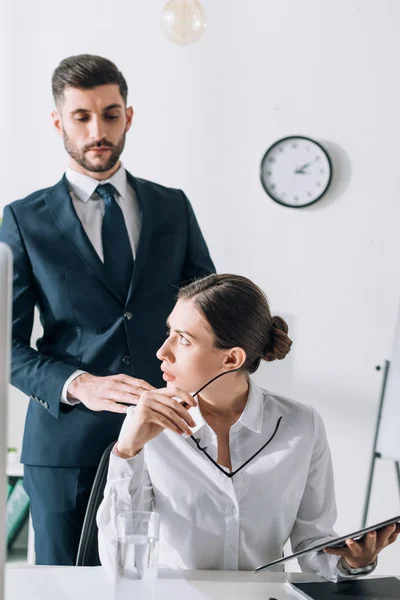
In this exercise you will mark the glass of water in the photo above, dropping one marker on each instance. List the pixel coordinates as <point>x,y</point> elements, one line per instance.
<point>137,555</point>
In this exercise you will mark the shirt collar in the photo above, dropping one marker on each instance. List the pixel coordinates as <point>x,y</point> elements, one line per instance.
<point>84,186</point>
<point>251,417</point>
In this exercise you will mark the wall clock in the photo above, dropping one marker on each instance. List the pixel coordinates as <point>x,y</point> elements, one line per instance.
<point>296,171</point>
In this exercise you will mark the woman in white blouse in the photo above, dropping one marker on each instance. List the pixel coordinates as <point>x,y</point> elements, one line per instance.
<point>267,475</point>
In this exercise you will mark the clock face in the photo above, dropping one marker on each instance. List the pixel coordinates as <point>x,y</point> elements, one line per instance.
<point>296,171</point>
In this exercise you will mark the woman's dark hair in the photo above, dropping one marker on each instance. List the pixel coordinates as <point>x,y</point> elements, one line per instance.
<point>238,313</point>
<point>86,71</point>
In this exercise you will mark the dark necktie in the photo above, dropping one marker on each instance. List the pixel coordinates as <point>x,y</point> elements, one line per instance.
<point>117,251</point>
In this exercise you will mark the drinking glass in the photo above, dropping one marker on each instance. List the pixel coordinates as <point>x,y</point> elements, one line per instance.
<point>136,562</point>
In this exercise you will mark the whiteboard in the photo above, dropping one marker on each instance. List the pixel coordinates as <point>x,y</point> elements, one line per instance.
<point>5,343</point>
<point>388,443</point>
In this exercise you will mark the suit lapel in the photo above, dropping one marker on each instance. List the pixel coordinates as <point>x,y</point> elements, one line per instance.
<point>59,203</point>
<point>145,202</point>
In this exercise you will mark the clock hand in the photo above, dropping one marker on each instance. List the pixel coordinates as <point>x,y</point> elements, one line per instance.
<point>300,170</point>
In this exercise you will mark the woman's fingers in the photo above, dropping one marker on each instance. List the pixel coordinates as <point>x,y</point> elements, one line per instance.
<point>154,402</point>
<point>166,423</point>
<point>355,550</point>
<point>361,551</point>
<point>366,550</point>
<point>393,537</point>
<point>172,415</point>
<point>385,534</point>
<point>335,551</point>
<point>369,543</point>
<point>176,392</point>
<point>181,410</point>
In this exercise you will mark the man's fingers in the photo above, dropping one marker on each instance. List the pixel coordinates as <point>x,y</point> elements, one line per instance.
<point>134,382</point>
<point>133,388</point>
<point>111,406</point>
<point>122,392</point>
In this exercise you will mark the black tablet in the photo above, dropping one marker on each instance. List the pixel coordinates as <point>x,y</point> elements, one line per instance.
<point>338,542</point>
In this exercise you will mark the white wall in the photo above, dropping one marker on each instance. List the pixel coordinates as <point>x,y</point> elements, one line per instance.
<point>205,115</point>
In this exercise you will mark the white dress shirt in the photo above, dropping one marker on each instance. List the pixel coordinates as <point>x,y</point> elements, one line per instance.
<point>90,210</point>
<point>210,521</point>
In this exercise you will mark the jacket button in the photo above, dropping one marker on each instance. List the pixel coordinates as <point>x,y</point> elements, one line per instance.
<point>128,315</point>
<point>46,404</point>
<point>127,360</point>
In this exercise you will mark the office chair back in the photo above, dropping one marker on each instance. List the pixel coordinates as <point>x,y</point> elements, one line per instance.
<point>88,555</point>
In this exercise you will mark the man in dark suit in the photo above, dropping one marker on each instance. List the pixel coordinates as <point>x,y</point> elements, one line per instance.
<point>101,255</point>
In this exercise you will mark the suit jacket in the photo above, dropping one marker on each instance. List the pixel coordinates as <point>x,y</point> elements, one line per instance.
<point>86,324</point>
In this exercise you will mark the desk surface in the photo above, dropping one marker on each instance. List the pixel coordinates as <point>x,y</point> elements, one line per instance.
<point>81,583</point>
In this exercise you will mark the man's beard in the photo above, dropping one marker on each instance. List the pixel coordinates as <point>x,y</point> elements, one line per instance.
<point>79,156</point>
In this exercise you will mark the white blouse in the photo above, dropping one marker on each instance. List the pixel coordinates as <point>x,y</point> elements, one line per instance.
<point>210,521</point>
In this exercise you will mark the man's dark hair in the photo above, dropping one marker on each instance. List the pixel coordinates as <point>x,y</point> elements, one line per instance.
<point>86,71</point>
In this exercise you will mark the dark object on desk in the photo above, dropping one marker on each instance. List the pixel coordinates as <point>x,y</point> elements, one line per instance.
<point>88,555</point>
<point>382,588</point>
<point>332,543</point>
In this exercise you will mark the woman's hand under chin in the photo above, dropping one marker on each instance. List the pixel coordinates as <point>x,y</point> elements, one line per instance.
<point>156,410</point>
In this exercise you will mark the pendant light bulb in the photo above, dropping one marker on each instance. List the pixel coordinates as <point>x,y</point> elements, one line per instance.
<point>183,21</point>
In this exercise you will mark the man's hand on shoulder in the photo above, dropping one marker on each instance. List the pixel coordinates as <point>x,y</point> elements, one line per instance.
<point>106,393</point>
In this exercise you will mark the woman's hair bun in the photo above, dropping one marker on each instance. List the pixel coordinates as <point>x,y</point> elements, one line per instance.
<point>281,343</point>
